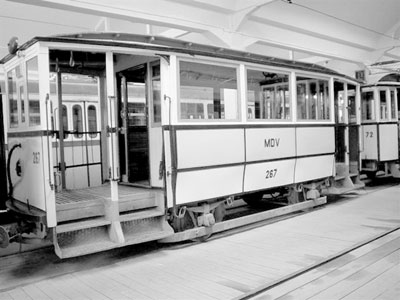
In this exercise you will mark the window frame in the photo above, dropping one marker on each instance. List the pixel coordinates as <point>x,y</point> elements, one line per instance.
<point>29,93</point>
<point>91,132</point>
<point>75,122</point>
<point>290,97</point>
<point>329,99</point>
<point>235,66</point>
<point>373,106</point>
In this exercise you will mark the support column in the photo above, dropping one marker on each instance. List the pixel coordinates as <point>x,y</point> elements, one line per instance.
<point>111,206</point>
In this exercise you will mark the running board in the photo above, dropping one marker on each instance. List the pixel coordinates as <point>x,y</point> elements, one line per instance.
<point>96,235</point>
<point>242,221</point>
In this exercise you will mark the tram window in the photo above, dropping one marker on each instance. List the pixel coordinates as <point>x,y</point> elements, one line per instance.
<point>351,96</point>
<point>65,121</point>
<point>383,105</point>
<point>92,120</point>
<point>77,121</point>
<point>267,96</point>
<point>156,86</point>
<point>393,105</point>
<point>340,107</point>
<point>312,99</point>
<point>156,92</point>
<point>136,110</point>
<point>193,111</point>
<point>33,91</point>
<point>13,98</point>
<point>368,106</point>
<point>208,86</point>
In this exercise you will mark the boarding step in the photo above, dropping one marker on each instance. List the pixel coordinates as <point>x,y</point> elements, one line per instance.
<point>83,224</point>
<point>149,225</point>
<point>82,238</point>
<point>98,234</point>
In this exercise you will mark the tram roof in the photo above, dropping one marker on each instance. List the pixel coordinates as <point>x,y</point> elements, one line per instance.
<point>149,42</point>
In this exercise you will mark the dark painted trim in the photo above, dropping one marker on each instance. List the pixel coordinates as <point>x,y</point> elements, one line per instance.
<point>378,141</point>
<point>183,170</point>
<point>380,123</point>
<point>242,126</point>
<point>77,166</point>
<point>34,133</point>
<point>81,143</point>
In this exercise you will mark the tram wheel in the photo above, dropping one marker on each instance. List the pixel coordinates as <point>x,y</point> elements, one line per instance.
<point>182,224</point>
<point>219,213</point>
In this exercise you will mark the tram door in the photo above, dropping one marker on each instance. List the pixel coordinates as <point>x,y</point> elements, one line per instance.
<point>134,131</point>
<point>347,129</point>
<point>354,130</point>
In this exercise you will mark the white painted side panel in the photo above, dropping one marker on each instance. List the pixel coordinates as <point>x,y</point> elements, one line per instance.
<point>30,185</point>
<point>209,183</point>
<point>309,168</point>
<point>270,143</point>
<point>315,140</point>
<point>76,178</point>
<point>388,142</point>
<point>168,168</point>
<point>370,140</point>
<point>49,190</point>
<point>208,147</point>
<point>155,156</point>
<point>95,175</point>
<point>269,174</point>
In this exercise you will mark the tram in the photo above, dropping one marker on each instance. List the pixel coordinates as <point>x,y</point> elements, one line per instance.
<point>116,139</point>
<point>380,127</point>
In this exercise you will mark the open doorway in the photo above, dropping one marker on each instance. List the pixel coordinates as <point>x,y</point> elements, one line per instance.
<point>134,133</point>
<point>139,119</point>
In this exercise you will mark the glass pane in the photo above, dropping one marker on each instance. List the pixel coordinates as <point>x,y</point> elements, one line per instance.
<point>136,104</point>
<point>267,96</point>
<point>156,92</point>
<point>383,105</point>
<point>302,101</point>
<point>323,100</point>
<point>77,121</point>
<point>340,107</point>
<point>393,105</point>
<point>213,88</point>
<point>22,99</point>
<point>13,98</point>
<point>312,99</point>
<point>92,121</point>
<point>368,105</point>
<point>32,76</point>
<point>351,95</point>
<point>65,121</point>
<point>156,86</point>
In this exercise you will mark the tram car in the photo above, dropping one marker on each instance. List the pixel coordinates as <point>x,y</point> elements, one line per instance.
<point>380,127</point>
<point>118,139</point>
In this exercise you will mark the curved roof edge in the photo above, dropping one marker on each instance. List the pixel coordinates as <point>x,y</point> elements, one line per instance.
<point>168,44</point>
